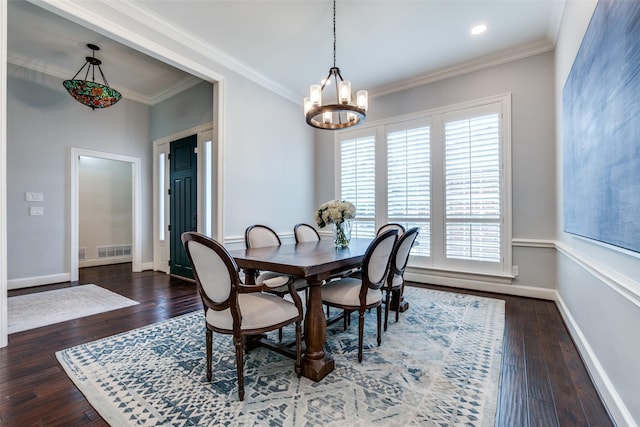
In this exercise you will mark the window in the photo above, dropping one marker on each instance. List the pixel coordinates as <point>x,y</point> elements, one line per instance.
<point>445,172</point>
<point>357,182</point>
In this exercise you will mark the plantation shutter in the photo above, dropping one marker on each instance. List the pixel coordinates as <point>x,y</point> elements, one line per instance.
<point>357,182</point>
<point>409,182</point>
<point>473,188</point>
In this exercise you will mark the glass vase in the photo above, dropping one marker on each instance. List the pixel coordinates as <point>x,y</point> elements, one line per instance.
<point>342,233</point>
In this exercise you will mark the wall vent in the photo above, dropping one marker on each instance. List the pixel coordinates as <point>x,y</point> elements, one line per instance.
<point>113,251</point>
<point>82,254</point>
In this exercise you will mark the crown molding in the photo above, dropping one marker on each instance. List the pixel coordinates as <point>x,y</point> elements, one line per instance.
<point>465,68</point>
<point>149,19</point>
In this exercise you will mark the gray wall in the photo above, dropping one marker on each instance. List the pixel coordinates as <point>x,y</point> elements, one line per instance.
<point>44,122</point>
<point>530,82</point>
<point>186,110</point>
<point>598,287</point>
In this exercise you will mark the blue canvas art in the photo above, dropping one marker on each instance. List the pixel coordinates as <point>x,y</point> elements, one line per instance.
<point>601,129</point>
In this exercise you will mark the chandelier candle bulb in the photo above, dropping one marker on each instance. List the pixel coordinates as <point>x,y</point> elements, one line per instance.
<point>345,92</point>
<point>363,99</point>
<point>315,94</point>
<point>326,117</point>
<point>307,105</point>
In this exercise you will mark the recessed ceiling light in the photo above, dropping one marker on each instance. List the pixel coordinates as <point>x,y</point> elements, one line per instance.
<point>478,29</point>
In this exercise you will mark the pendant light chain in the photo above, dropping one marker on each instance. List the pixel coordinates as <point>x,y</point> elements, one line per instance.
<point>334,33</point>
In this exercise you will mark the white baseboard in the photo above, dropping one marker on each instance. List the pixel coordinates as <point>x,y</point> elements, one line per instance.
<point>483,285</point>
<point>104,261</point>
<point>146,266</point>
<point>28,282</point>
<point>617,409</point>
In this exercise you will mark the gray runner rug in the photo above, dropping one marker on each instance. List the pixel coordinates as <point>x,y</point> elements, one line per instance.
<point>59,305</point>
<point>438,366</point>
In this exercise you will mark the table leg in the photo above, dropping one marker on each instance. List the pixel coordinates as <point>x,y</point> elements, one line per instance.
<point>316,363</point>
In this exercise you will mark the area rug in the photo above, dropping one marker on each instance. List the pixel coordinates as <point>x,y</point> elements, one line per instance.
<point>46,308</point>
<point>438,366</point>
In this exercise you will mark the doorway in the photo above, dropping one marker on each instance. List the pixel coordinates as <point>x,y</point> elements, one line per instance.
<point>136,219</point>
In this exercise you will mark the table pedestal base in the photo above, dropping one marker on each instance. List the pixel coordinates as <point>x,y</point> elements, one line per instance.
<point>316,370</point>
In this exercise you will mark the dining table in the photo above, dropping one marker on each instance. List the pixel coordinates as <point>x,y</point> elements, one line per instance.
<point>316,262</point>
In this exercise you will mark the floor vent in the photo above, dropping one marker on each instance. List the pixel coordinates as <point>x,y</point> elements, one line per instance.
<point>113,251</point>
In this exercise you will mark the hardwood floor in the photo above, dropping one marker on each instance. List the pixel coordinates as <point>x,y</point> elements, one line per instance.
<point>543,383</point>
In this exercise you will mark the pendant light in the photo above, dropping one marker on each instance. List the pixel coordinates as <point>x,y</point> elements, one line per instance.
<point>342,110</point>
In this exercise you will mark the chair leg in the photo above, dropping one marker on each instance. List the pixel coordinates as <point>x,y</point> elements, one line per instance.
<point>398,305</point>
<point>379,311</point>
<point>360,333</point>
<point>298,349</point>
<point>345,318</point>
<point>238,342</point>
<point>209,340</point>
<point>280,335</point>
<point>386,308</point>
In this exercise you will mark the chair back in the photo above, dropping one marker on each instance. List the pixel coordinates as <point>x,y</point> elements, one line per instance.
<point>391,226</point>
<point>214,269</point>
<point>259,236</point>
<point>400,256</point>
<point>375,263</point>
<point>305,233</point>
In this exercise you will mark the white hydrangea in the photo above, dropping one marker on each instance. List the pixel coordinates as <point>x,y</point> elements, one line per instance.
<point>334,211</point>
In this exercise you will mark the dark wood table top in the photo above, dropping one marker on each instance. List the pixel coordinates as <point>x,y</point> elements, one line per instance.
<point>306,259</point>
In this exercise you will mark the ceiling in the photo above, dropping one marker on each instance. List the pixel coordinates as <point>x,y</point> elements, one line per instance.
<point>382,45</point>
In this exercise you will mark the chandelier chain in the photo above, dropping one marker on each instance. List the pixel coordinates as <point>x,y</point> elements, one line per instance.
<point>334,33</point>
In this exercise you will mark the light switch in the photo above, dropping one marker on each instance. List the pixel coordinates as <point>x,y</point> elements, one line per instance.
<point>36,210</point>
<point>34,197</point>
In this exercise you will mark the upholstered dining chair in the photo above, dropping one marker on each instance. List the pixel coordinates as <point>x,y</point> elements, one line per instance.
<point>352,294</point>
<point>395,279</point>
<point>305,233</point>
<point>232,308</point>
<point>258,236</point>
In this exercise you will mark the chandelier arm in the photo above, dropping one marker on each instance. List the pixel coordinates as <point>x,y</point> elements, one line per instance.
<point>87,73</point>
<point>325,81</point>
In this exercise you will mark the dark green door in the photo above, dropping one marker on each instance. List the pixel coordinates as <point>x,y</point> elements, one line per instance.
<point>183,200</point>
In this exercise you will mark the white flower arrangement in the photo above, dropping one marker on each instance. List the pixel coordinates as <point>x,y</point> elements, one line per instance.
<point>334,212</point>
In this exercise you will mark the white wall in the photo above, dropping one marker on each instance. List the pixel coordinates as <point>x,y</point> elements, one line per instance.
<point>530,82</point>
<point>598,286</point>
<point>105,207</point>
<point>44,122</point>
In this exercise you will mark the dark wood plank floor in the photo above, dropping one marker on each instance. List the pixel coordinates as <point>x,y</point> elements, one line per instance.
<point>543,384</point>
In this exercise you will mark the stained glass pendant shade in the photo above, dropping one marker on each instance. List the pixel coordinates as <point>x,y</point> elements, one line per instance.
<point>89,92</point>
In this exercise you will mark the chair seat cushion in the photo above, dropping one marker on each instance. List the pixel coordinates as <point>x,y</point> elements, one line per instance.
<point>259,310</point>
<point>347,292</point>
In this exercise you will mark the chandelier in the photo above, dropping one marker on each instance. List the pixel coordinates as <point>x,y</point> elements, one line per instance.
<point>90,93</point>
<point>344,111</point>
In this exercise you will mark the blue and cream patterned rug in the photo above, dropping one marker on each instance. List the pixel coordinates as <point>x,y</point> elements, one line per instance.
<point>439,366</point>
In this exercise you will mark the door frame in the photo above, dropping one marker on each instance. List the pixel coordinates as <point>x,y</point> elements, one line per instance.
<point>162,145</point>
<point>74,209</point>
